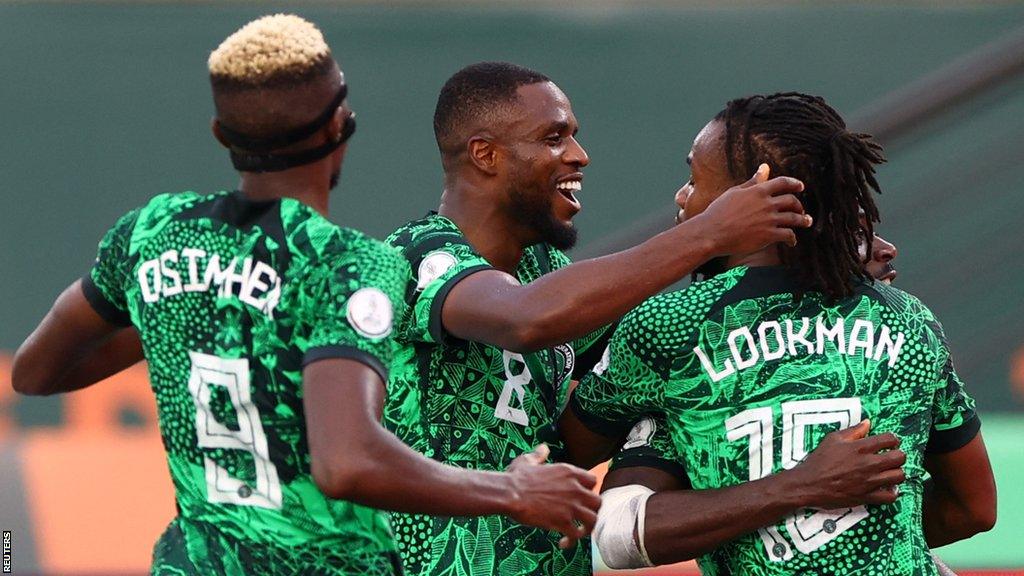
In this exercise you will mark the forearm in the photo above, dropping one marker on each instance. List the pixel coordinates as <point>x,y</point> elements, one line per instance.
<point>945,519</point>
<point>387,474</point>
<point>683,524</point>
<point>960,497</point>
<point>121,351</point>
<point>39,371</point>
<point>578,299</point>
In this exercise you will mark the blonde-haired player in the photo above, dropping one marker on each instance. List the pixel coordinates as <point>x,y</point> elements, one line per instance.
<point>268,332</point>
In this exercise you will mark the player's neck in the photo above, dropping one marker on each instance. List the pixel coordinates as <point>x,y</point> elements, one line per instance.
<point>311,187</point>
<point>484,224</point>
<point>767,256</point>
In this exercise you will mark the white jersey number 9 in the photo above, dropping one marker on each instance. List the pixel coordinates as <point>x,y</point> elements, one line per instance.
<point>232,375</point>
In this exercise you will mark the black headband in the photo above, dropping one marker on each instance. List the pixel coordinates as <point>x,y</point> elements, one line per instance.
<point>258,156</point>
<point>268,143</point>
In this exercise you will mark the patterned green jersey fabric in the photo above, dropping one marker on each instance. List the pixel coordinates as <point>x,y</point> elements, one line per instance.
<point>475,406</point>
<point>231,299</point>
<point>745,378</point>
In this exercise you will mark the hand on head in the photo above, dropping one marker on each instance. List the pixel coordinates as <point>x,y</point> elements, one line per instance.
<point>756,213</point>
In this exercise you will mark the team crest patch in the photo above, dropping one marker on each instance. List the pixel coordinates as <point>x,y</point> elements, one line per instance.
<point>432,267</point>
<point>641,434</point>
<point>568,357</point>
<point>369,312</point>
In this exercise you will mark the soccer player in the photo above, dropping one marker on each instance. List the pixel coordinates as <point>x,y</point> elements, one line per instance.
<point>268,332</point>
<point>842,469</point>
<point>750,369</point>
<point>498,318</point>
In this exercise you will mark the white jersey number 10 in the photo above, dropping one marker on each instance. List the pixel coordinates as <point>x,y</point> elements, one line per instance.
<point>809,528</point>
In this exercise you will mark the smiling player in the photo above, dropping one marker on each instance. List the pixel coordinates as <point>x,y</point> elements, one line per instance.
<point>498,318</point>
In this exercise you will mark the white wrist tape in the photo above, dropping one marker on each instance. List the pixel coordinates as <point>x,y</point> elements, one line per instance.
<point>622,510</point>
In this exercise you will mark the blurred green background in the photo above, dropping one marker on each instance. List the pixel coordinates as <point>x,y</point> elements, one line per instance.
<point>107,104</point>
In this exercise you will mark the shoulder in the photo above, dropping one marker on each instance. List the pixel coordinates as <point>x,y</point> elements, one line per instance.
<point>434,246</point>
<point>348,247</point>
<point>431,233</point>
<point>907,309</point>
<point>911,318</point>
<point>321,240</point>
<point>678,309</point>
<point>153,215</point>
<point>663,324</point>
<point>417,231</point>
<point>169,204</point>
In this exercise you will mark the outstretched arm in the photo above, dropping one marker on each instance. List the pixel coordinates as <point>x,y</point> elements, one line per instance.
<point>355,458</point>
<point>845,470</point>
<point>72,348</point>
<point>491,306</point>
<point>960,498</point>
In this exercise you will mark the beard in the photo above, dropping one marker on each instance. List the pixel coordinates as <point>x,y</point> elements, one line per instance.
<point>532,208</point>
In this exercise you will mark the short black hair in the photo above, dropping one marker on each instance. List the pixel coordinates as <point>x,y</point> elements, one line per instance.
<point>801,136</point>
<point>477,91</point>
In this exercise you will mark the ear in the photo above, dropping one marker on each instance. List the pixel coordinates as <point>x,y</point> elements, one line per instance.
<point>484,153</point>
<point>332,130</point>
<point>215,128</point>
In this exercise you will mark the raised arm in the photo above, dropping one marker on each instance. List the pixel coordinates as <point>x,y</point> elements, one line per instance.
<point>72,348</point>
<point>680,523</point>
<point>960,498</point>
<point>491,306</point>
<point>355,458</point>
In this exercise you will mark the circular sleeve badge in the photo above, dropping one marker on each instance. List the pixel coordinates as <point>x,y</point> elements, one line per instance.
<point>369,312</point>
<point>641,434</point>
<point>432,267</point>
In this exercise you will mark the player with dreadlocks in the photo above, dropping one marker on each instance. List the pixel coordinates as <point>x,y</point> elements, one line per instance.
<point>748,371</point>
<point>800,134</point>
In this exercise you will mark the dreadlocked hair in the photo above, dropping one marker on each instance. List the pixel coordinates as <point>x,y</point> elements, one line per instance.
<point>801,136</point>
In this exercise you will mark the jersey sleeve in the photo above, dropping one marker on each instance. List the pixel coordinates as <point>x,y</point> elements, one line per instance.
<point>627,383</point>
<point>590,348</point>
<point>438,259</point>
<point>357,297</point>
<point>650,445</point>
<point>955,421</point>
<point>106,284</point>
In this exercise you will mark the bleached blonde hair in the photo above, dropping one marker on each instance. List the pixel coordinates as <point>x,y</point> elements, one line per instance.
<point>271,49</point>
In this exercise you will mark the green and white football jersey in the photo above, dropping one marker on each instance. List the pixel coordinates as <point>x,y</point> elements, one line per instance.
<point>739,377</point>
<point>231,299</point>
<point>476,406</point>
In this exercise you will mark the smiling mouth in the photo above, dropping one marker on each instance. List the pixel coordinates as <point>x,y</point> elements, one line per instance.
<point>568,189</point>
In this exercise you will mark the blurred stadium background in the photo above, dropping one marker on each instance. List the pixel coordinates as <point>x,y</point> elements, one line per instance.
<point>106,104</point>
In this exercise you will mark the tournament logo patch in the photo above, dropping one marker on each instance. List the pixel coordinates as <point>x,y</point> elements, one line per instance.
<point>432,267</point>
<point>641,434</point>
<point>369,312</point>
